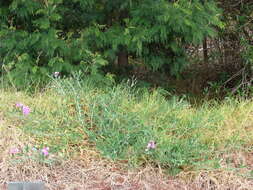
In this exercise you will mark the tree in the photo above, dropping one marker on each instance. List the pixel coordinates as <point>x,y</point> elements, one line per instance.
<point>36,40</point>
<point>154,31</point>
<point>43,36</point>
<point>237,43</point>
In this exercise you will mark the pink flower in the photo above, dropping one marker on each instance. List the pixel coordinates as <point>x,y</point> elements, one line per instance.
<point>19,105</point>
<point>44,151</point>
<point>26,110</point>
<point>151,145</point>
<point>14,151</point>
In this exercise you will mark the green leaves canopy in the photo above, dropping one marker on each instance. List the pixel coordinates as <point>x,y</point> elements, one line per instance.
<point>42,36</point>
<point>155,31</point>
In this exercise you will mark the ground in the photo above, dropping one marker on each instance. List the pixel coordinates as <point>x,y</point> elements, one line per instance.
<point>89,171</point>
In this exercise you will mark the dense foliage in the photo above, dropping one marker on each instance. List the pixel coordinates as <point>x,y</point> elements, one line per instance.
<point>155,31</point>
<point>33,45</point>
<point>236,43</point>
<point>44,36</point>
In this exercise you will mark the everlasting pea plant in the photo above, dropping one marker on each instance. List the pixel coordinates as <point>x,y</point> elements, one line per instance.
<point>14,151</point>
<point>31,153</point>
<point>45,151</point>
<point>25,109</point>
<point>151,145</point>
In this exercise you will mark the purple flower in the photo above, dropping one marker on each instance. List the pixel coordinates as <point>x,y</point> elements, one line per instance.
<point>26,110</point>
<point>44,151</point>
<point>151,145</point>
<point>19,105</point>
<point>14,151</point>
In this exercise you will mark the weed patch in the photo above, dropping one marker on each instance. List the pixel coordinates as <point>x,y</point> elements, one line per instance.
<point>120,122</point>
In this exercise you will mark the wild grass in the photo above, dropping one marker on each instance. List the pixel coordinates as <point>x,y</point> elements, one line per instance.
<point>72,117</point>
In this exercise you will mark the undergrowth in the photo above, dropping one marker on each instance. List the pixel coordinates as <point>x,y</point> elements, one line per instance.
<point>120,121</point>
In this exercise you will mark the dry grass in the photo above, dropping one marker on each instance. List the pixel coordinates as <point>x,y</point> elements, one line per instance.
<point>88,171</point>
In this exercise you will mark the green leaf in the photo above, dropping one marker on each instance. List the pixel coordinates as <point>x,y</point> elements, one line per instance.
<point>42,23</point>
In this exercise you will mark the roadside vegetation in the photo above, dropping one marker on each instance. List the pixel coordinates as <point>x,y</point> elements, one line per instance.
<point>134,127</point>
<point>114,94</point>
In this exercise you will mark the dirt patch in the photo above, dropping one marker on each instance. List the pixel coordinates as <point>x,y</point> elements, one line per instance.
<point>99,175</point>
<point>72,175</point>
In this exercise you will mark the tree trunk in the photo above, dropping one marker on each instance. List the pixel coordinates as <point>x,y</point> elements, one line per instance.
<point>122,60</point>
<point>205,51</point>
